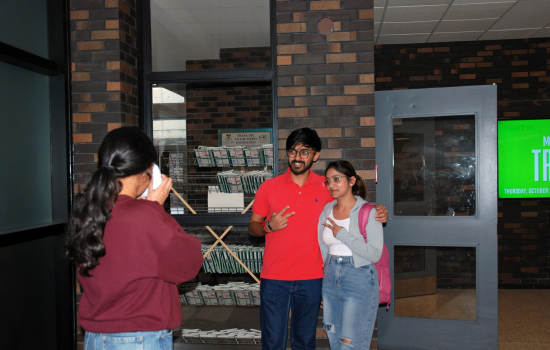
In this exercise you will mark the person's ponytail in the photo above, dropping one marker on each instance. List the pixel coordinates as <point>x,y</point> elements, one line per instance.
<point>124,152</point>
<point>92,209</point>
<point>359,188</point>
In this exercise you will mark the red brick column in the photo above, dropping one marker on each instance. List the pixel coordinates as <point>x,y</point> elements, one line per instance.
<point>104,76</point>
<point>104,81</point>
<point>327,82</point>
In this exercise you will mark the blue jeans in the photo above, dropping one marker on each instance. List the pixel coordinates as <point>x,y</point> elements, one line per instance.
<point>278,297</point>
<point>350,303</point>
<point>156,340</point>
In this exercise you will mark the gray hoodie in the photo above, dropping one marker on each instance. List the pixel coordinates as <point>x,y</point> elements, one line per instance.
<point>363,253</point>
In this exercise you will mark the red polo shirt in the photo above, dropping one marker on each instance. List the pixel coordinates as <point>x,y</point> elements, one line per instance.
<point>293,253</point>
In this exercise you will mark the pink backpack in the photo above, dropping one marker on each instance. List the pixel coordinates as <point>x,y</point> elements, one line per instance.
<point>383,265</point>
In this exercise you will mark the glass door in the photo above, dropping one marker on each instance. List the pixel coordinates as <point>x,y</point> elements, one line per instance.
<point>438,148</point>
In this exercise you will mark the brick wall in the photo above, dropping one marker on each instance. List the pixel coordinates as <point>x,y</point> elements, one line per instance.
<point>104,76</point>
<point>327,82</point>
<point>226,106</point>
<point>455,266</point>
<point>521,70</point>
<point>104,81</point>
<point>233,58</point>
<point>221,106</point>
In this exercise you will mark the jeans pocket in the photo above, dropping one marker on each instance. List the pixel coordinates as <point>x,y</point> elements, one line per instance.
<point>166,341</point>
<point>122,343</point>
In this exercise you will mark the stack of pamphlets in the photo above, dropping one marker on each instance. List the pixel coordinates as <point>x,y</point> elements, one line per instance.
<point>225,336</point>
<point>254,156</point>
<point>234,156</point>
<point>221,156</point>
<point>232,294</point>
<point>252,180</point>
<point>237,155</point>
<point>230,182</point>
<point>267,151</point>
<point>221,261</point>
<point>204,157</point>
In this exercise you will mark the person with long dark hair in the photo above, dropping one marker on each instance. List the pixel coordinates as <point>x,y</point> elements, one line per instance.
<point>129,253</point>
<point>350,283</point>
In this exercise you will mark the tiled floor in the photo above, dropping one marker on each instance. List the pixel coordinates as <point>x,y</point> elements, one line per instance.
<point>524,319</point>
<point>523,315</point>
<point>449,304</point>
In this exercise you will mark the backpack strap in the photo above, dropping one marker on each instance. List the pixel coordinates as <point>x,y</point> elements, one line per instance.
<point>364,213</point>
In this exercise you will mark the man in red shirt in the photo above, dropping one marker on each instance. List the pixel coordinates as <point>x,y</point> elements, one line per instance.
<point>286,211</point>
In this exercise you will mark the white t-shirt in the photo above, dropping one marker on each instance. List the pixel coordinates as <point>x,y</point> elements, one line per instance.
<point>335,246</point>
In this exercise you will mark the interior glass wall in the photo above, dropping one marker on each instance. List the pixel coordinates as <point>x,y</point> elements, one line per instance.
<point>26,198</point>
<point>434,166</point>
<point>196,35</point>
<point>435,282</point>
<point>214,141</point>
<point>29,33</point>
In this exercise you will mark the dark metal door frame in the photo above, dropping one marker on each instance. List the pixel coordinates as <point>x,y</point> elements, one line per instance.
<point>479,231</point>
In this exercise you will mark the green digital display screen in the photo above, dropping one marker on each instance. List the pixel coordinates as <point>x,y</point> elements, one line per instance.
<point>524,158</point>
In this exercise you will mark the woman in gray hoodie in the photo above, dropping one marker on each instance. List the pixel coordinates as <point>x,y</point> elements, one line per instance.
<point>350,283</point>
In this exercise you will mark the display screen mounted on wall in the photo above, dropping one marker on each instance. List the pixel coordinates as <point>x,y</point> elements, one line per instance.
<point>524,158</point>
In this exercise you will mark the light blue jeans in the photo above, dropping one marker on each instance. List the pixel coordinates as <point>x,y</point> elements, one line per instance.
<point>350,303</point>
<point>156,340</point>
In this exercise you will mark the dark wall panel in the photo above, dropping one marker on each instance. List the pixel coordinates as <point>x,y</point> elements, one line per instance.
<point>28,294</point>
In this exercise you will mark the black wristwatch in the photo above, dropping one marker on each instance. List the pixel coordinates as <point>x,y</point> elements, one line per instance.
<point>269,226</point>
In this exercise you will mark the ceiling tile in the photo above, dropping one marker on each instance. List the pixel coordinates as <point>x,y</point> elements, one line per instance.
<point>414,13</point>
<point>463,36</point>
<point>508,34</point>
<point>410,27</point>
<point>460,2</point>
<point>466,25</point>
<point>544,33</point>
<point>378,11</point>
<point>526,14</point>
<point>401,39</point>
<point>213,4</point>
<point>168,4</point>
<point>476,11</point>
<point>418,2</point>
<point>224,15</point>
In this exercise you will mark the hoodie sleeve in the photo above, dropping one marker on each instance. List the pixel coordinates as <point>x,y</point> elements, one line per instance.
<point>372,250</point>
<point>180,256</point>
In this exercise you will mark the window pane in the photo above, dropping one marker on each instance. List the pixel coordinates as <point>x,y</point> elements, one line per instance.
<point>214,34</point>
<point>25,174</point>
<point>189,122</point>
<point>24,24</point>
<point>435,282</point>
<point>434,166</point>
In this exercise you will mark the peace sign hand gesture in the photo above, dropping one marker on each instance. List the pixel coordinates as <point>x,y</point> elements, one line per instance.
<point>278,221</point>
<point>335,228</point>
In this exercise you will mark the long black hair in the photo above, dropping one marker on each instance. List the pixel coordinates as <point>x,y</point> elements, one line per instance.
<point>124,152</point>
<point>345,167</point>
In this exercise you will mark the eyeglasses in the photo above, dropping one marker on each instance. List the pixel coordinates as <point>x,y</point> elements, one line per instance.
<point>304,153</point>
<point>336,179</point>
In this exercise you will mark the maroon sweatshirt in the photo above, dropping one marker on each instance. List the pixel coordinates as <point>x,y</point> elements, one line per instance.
<point>134,286</point>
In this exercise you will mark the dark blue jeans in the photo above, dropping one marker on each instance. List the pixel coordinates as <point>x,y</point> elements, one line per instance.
<point>278,297</point>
